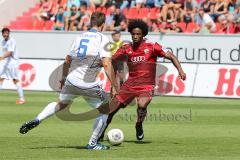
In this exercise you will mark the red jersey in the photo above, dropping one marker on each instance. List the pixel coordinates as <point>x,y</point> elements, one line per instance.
<point>141,62</point>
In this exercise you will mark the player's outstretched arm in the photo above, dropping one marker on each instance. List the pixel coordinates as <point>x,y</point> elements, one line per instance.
<point>177,64</point>
<point>107,64</point>
<point>6,54</point>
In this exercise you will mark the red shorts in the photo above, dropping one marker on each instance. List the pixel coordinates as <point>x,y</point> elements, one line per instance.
<point>127,93</point>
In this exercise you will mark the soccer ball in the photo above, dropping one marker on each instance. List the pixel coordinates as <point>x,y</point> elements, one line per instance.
<point>115,137</point>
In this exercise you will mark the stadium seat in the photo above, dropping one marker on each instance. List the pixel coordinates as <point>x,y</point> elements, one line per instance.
<point>218,27</point>
<point>48,25</point>
<point>125,11</point>
<point>153,13</point>
<point>132,13</point>
<point>190,27</point>
<point>182,25</point>
<point>143,13</point>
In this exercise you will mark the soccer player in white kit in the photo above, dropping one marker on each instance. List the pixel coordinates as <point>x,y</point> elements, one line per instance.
<point>86,58</point>
<point>9,63</point>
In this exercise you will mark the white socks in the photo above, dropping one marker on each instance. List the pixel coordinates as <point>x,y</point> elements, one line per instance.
<point>98,128</point>
<point>20,91</point>
<point>48,111</point>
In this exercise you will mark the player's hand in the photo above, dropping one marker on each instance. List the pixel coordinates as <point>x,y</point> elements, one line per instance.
<point>182,75</point>
<point>114,92</point>
<point>1,58</point>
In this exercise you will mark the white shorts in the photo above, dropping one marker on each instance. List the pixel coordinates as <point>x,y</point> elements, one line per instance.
<point>9,71</point>
<point>94,96</point>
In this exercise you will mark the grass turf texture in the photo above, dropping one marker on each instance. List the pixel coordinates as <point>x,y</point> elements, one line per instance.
<point>212,131</point>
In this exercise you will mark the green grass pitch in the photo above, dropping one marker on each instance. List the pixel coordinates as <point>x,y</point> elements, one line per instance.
<point>176,128</point>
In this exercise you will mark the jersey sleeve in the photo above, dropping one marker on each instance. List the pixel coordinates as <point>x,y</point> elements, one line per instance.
<point>120,54</point>
<point>104,47</point>
<point>11,46</point>
<point>159,50</point>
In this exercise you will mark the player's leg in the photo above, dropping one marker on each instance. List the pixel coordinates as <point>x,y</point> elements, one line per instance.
<point>2,73</point>
<point>21,99</point>
<point>13,72</point>
<point>47,112</point>
<point>124,97</point>
<point>96,98</point>
<point>142,101</point>
<point>50,110</point>
<point>114,102</point>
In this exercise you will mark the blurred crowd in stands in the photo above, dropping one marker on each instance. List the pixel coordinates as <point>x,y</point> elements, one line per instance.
<point>166,16</point>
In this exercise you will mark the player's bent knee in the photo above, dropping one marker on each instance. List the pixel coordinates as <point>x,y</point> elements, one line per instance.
<point>143,103</point>
<point>114,105</point>
<point>104,108</point>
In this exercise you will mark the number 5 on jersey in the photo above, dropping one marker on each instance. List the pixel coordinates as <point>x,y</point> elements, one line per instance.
<point>82,50</point>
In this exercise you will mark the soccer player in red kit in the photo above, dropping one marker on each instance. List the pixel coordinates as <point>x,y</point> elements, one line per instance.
<point>141,57</point>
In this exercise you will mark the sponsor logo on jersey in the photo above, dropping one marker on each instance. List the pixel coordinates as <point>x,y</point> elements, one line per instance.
<point>28,74</point>
<point>138,59</point>
<point>146,51</point>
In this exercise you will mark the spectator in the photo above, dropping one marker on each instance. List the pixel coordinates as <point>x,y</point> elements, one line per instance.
<point>170,27</point>
<point>127,4</point>
<point>140,3</point>
<point>150,3</point>
<point>44,13</point>
<point>70,3</point>
<point>97,3</point>
<point>231,10</point>
<point>71,19</point>
<point>118,17</point>
<point>118,3</point>
<point>236,26</point>
<point>171,10</point>
<point>123,26</point>
<point>205,23</point>
<point>109,23</point>
<point>190,8</point>
<point>225,26</point>
<point>219,9</point>
<point>188,16</point>
<point>208,6</point>
<point>237,11</point>
<point>84,19</point>
<point>59,19</point>
<point>63,3</point>
<point>154,27</point>
<point>154,3</point>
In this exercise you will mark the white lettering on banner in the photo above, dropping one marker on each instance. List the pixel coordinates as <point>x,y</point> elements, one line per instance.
<point>138,59</point>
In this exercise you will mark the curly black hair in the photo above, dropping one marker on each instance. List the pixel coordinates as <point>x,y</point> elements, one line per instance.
<point>138,23</point>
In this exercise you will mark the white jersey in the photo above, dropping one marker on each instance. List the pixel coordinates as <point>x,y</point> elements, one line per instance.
<point>10,46</point>
<point>9,66</point>
<point>86,53</point>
